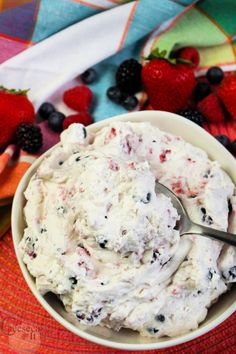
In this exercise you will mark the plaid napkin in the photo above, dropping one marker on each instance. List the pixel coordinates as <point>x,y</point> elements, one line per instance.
<point>45,46</point>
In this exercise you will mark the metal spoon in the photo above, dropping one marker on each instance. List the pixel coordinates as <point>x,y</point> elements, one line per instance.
<point>186,226</point>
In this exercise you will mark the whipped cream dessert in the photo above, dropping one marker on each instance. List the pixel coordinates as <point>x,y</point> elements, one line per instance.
<point>99,237</point>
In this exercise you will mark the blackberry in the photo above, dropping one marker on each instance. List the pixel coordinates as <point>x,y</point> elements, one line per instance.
<point>193,115</point>
<point>128,76</point>
<point>29,137</point>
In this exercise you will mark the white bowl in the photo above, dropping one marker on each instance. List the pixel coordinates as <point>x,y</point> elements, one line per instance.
<point>127,339</point>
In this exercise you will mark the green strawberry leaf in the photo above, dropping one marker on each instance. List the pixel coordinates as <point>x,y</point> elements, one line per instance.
<point>157,54</point>
<point>14,91</point>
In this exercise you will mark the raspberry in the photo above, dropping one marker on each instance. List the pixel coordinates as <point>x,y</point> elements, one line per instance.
<point>128,76</point>
<point>29,137</point>
<point>82,118</point>
<point>191,54</point>
<point>78,98</point>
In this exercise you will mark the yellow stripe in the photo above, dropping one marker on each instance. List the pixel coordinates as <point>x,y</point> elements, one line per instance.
<point>1,5</point>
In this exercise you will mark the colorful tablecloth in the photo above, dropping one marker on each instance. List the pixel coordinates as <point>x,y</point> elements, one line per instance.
<point>44,46</point>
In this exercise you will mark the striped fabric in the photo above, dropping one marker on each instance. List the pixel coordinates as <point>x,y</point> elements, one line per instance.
<point>44,45</point>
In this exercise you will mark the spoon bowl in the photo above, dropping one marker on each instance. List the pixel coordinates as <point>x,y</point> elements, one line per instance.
<point>186,226</point>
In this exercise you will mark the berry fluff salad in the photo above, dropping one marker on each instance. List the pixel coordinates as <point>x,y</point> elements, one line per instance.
<point>99,237</point>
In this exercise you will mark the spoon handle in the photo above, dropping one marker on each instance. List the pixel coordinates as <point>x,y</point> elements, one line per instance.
<point>212,233</point>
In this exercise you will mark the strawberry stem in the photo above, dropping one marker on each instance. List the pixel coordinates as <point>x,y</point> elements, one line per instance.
<point>157,54</point>
<point>14,91</point>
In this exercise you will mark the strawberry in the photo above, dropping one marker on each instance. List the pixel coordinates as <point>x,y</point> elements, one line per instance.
<point>191,54</point>
<point>82,118</point>
<point>168,85</point>
<point>227,128</point>
<point>211,108</point>
<point>78,98</point>
<point>15,108</point>
<point>227,93</point>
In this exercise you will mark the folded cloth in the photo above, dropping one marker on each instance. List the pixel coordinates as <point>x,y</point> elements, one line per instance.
<point>58,42</point>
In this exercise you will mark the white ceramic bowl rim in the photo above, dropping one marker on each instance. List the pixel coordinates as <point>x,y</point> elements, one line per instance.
<point>162,118</point>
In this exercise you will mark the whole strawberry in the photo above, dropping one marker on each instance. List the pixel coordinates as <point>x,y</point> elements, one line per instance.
<point>168,84</point>
<point>227,93</point>
<point>78,98</point>
<point>15,108</point>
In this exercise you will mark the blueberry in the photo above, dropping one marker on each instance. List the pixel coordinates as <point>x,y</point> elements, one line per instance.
<point>147,198</point>
<point>55,121</point>
<point>215,75</point>
<point>160,318</point>
<point>233,147</point>
<point>209,275</point>
<point>45,110</point>
<point>115,94</point>
<point>224,140</point>
<point>77,159</point>
<point>73,280</point>
<point>232,272</point>
<point>103,244</point>
<point>155,255</point>
<point>202,89</point>
<point>129,102</point>
<point>152,330</point>
<point>89,76</point>
<point>203,210</point>
<point>85,132</point>
<point>207,219</point>
<point>79,315</point>
<point>61,210</point>
<point>89,318</point>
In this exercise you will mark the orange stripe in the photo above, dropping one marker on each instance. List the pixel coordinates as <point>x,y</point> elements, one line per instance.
<point>10,178</point>
<point>93,6</point>
<point>227,35</point>
<point>4,158</point>
<point>117,2</point>
<point>127,25</point>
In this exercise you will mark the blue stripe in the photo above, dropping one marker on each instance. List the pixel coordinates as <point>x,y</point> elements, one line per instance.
<point>54,16</point>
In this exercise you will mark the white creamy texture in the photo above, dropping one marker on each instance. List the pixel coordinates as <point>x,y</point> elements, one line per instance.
<point>99,237</point>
